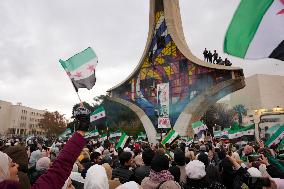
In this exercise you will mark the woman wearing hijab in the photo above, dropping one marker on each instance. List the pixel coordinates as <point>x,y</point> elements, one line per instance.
<point>159,177</point>
<point>61,168</point>
<point>129,185</point>
<point>96,178</point>
<point>41,167</point>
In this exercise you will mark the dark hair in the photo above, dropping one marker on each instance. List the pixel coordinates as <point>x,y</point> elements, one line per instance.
<point>179,157</point>
<point>182,146</point>
<point>94,155</point>
<point>203,158</point>
<point>167,145</point>
<point>107,159</point>
<point>124,157</point>
<point>147,156</point>
<point>175,171</point>
<point>222,154</point>
<point>160,162</point>
<point>212,174</point>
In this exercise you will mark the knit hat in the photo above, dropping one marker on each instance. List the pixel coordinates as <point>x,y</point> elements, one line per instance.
<point>160,162</point>
<point>19,155</point>
<point>254,172</point>
<point>195,169</point>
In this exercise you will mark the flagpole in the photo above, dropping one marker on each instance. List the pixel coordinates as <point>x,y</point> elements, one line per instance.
<point>78,96</point>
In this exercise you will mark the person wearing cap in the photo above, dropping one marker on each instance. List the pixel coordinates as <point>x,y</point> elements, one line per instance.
<point>58,173</point>
<point>160,177</point>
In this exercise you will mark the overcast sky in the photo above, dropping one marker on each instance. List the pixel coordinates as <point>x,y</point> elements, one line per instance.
<point>35,34</point>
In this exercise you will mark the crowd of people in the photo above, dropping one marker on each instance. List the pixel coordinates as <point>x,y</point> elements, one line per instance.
<point>215,58</point>
<point>89,164</point>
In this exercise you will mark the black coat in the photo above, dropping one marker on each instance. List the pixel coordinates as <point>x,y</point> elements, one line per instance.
<point>141,173</point>
<point>123,174</point>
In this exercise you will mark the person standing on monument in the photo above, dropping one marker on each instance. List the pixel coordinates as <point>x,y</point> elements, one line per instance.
<point>215,57</point>
<point>205,55</point>
<point>210,56</point>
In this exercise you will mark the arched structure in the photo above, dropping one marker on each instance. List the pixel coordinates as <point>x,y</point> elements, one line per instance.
<point>194,85</point>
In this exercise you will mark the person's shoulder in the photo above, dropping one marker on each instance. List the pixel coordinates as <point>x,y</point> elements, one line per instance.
<point>145,180</point>
<point>170,184</point>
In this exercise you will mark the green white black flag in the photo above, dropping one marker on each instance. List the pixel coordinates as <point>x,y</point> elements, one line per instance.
<point>81,68</point>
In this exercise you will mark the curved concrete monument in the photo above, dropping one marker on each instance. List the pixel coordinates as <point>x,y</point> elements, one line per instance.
<point>171,87</point>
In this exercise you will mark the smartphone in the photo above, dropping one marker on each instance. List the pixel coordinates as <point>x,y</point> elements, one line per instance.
<point>258,182</point>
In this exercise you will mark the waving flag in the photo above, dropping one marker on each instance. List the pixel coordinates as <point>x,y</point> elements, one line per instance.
<point>122,141</point>
<point>98,114</point>
<point>81,68</point>
<point>103,137</point>
<point>171,136</point>
<point>257,30</point>
<point>276,137</point>
<point>198,126</point>
<point>92,133</point>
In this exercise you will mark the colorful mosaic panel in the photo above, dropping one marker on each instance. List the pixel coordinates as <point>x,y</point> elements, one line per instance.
<point>165,63</point>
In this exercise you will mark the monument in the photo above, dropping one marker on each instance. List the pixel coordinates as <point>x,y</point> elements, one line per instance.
<point>170,87</point>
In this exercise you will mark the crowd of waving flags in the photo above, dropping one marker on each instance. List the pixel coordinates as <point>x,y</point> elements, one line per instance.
<point>256,30</point>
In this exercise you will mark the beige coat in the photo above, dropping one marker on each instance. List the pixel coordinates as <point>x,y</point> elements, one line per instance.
<point>112,183</point>
<point>149,184</point>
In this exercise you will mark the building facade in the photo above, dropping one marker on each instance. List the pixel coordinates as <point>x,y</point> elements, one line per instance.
<point>262,96</point>
<point>19,120</point>
<point>261,92</point>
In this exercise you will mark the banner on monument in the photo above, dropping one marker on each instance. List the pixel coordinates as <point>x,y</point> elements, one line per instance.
<point>163,105</point>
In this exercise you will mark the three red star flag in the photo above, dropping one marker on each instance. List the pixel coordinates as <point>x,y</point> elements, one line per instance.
<point>81,68</point>
<point>257,30</point>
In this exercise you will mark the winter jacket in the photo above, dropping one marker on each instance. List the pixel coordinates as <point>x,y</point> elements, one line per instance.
<point>60,170</point>
<point>141,173</point>
<point>123,174</point>
<point>202,184</point>
<point>274,172</point>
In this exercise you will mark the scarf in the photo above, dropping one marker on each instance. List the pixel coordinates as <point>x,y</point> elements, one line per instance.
<point>161,176</point>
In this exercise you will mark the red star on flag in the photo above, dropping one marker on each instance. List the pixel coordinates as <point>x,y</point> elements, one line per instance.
<point>78,74</point>
<point>281,11</point>
<point>91,68</point>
